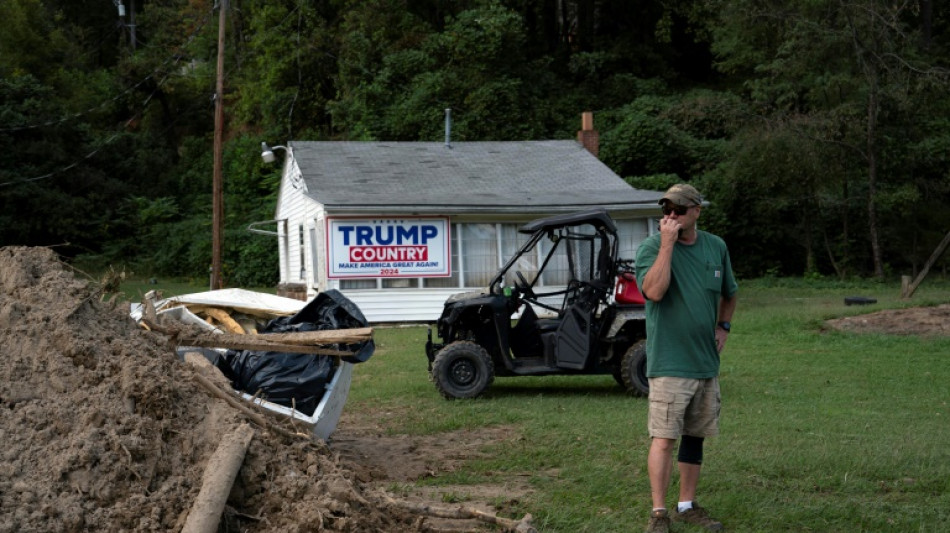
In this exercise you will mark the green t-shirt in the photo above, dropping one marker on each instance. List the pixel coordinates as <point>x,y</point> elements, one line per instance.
<point>681,327</point>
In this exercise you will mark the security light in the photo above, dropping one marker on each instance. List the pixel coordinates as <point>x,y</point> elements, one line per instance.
<point>267,153</point>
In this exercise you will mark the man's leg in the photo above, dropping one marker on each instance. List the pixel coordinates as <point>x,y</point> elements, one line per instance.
<point>702,419</point>
<point>689,479</point>
<point>659,468</point>
<point>690,460</point>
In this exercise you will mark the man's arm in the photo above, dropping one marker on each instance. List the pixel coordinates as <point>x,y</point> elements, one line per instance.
<point>727,306</point>
<point>657,279</point>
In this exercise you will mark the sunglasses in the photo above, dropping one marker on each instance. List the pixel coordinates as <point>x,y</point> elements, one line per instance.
<point>680,210</point>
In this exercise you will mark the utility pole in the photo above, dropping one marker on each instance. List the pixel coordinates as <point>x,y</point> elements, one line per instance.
<point>132,23</point>
<point>218,182</point>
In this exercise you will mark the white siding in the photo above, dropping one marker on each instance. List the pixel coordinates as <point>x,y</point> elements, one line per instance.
<point>290,208</point>
<point>299,212</point>
<point>394,305</point>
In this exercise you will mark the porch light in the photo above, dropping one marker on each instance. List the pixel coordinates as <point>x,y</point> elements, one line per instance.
<point>267,153</point>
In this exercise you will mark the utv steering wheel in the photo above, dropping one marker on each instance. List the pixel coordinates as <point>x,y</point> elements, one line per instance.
<point>524,286</point>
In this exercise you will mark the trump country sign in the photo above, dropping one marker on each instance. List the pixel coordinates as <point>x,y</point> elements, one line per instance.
<point>397,247</point>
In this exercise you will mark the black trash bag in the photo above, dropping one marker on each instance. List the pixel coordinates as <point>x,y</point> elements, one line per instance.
<point>329,310</point>
<point>293,379</point>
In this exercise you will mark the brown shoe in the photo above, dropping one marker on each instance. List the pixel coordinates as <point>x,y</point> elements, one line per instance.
<point>698,516</point>
<point>659,522</point>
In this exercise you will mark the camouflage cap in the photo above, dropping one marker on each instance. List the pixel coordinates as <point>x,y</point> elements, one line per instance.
<point>682,194</point>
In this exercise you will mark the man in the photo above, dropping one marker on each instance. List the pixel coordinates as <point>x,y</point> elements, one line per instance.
<point>686,276</point>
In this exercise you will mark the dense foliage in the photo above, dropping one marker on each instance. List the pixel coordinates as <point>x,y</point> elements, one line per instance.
<point>819,129</point>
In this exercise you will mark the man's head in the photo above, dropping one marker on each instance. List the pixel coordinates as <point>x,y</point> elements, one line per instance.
<point>682,203</point>
<point>682,194</point>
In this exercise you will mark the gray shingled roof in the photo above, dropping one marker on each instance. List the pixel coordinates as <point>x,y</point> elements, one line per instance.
<point>519,176</point>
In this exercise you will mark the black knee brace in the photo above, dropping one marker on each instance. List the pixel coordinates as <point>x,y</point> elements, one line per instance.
<point>691,450</point>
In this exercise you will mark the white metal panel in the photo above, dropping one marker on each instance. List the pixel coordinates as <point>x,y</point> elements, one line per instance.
<point>395,305</point>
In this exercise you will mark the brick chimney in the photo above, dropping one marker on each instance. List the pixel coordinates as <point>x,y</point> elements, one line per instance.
<point>588,136</point>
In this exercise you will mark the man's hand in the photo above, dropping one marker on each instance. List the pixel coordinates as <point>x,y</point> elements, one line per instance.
<point>721,336</point>
<point>669,231</point>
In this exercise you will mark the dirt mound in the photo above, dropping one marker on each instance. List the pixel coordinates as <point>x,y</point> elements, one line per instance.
<point>103,429</point>
<point>912,321</point>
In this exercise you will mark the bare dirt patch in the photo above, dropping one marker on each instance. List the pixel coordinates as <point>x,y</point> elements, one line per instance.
<point>924,321</point>
<point>394,463</point>
<point>104,429</point>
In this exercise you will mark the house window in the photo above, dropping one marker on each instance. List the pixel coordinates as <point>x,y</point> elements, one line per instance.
<point>630,233</point>
<point>480,247</point>
<point>358,283</point>
<point>400,283</point>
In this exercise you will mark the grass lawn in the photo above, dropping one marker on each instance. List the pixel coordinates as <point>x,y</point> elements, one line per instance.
<point>821,430</point>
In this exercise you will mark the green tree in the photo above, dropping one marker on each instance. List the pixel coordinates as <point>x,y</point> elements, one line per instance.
<point>396,84</point>
<point>844,73</point>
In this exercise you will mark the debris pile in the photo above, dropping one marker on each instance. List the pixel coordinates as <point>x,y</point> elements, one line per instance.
<point>105,429</point>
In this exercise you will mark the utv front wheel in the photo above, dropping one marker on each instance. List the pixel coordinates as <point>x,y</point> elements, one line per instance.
<point>633,370</point>
<point>462,369</point>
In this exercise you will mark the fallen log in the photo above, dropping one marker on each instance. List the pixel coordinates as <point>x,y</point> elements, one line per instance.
<point>219,475</point>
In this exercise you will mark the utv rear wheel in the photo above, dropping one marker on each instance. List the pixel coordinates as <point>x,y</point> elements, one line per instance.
<point>462,370</point>
<point>633,370</point>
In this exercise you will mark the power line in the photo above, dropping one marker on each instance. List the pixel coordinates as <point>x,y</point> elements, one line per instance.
<point>174,58</point>
<point>107,142</point>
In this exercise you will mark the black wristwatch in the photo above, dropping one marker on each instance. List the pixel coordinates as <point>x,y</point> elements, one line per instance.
<point>726,326</point>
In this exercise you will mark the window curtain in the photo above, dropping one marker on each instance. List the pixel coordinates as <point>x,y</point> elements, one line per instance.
<point>480,246</point>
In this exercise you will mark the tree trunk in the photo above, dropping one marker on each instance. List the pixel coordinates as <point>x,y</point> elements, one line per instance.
<point>872,176</point>
<point>926,23</point>
<point>810,263</point>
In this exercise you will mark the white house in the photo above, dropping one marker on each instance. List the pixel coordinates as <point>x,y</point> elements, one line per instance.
<point>398,227</point>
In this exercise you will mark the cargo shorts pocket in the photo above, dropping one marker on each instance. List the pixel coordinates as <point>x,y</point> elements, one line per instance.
<point>663,421</point>
<point>703,421</point>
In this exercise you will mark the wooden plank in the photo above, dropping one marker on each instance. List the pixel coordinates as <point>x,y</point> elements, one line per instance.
<point>244,342</point>
<point>327,336</point>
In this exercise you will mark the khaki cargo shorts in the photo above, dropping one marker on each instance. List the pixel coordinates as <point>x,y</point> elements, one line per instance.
<point>683,406</point>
